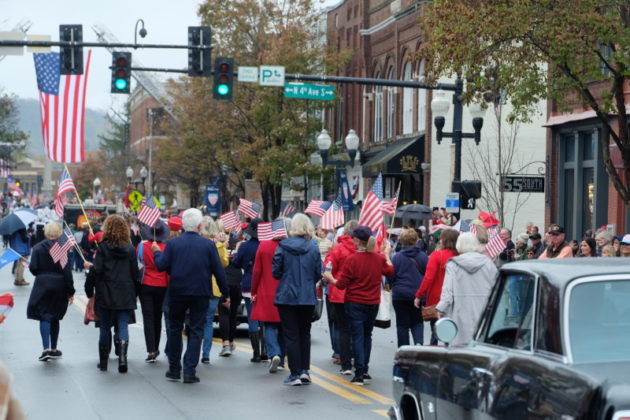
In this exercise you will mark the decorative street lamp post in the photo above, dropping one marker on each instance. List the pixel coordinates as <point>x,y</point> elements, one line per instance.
<point>97,185</point>
<point>352,146</point>
<point>129,173</point>
<point>143,175</point>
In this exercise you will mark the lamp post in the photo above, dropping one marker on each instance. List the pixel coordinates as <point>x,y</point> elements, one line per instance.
<point>143,176</point>
<point>352,146</point>
<point>97,185</point>
<point>142,31</point>
<point>439,108</point>
<point>129,173</point>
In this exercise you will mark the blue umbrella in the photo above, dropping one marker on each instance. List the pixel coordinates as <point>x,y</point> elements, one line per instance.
<point>19,219</point>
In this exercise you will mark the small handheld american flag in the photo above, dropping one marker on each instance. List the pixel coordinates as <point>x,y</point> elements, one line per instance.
<point>248,208</point>
<point>334,217</point>
<point>372,211</point>
<point>286,209</point>
<point>59,249</point>
<point>271,230</point>
<point>149,212</point>
<point>317,207</point>
<point>230,220</point>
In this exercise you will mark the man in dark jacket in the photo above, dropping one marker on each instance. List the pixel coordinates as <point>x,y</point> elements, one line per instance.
<point>191,261</point>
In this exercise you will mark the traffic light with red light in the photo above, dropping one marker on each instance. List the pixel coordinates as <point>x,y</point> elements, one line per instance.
<point>223,77</point>
<point>121,72</point>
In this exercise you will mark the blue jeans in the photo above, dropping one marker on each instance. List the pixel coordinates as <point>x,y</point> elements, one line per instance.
<point>273,339</point>
<point>361,319</point>
<point>109,317</point>
<point>197,307</point>
<point>253,326</point>
<point>50,333</point>
<point>208,329</point>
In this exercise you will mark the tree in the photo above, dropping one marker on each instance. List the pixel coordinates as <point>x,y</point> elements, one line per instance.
<point>570,51</point>
<point>12,139</point>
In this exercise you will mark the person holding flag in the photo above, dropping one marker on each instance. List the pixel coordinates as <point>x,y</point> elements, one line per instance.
<point>53,288</point>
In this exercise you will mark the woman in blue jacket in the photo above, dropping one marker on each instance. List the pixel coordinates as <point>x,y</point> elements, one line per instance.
<point>297,263</point>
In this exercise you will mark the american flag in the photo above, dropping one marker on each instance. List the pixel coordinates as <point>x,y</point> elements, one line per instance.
<point>495,244</point>
<point>248,208</point>
<point>62,108</point>
<point>334,216</point>
<point>230,220</point>
<point>389,207</point>
<point>317,207</point>
<point>63,244</point>
<point>149,213</point>
<point>286,209</point>
<point>5,168</point>
<point>59,205</point>
<point>372,212</point>
<point>271,230</point>
<point>65,183</point>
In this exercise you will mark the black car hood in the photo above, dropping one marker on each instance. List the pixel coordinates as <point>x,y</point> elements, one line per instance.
<point>614,378</point>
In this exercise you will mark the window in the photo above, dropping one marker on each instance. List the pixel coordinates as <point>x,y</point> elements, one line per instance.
<point>378,112</point>
<point>391,105</point>
<point>512,321</point>
<point>548,336</point>
<point>407,102</point>
<point>422,99</point>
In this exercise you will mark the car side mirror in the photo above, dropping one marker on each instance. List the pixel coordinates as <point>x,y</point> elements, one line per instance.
<point>445,330</point>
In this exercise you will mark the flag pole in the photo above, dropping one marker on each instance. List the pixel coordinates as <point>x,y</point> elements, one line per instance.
<point>81,204</point>
<point>76,245</point>
<point>389,235</point>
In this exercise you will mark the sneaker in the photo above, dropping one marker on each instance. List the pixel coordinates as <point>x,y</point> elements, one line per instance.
<point>45,356</point>
<point>273,364</point>
<point>173,376</point>
<point>151,358</point>
<point>21,283</point>
<point>367,378</point>
<point>293,380</point>
<point>305,378</point>
<point>205,360</point>
<point>346,372</point>
<point>55,354</point>
<point>191,379</point>
<point>232,348</point>
<point>226,351</point>
<point>357,380</point>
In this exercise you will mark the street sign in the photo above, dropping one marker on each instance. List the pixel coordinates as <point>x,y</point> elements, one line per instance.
<point>452,202</point>
<point>523,183</point>
<point>309,91</point>
<point>248,74</point>
<point>271,76</point>
<point>135,199</point>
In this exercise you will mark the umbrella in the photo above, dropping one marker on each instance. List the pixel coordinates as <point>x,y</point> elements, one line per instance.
<point>19,219</point>
<point>414,211</point>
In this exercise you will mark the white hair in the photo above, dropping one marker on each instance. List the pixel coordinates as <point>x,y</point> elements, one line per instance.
<point>191,219</point>
<point>468,242</point>
<point>209,228</point>
<point>301,225</point>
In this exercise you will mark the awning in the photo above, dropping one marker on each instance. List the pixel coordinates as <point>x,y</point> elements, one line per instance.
<point>402,157</point>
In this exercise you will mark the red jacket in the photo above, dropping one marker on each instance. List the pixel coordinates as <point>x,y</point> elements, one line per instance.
<point>152,277</point>
<point>362,277</point>
<point>337,256</point>
<point>434,276</point>
<point>264,285</point>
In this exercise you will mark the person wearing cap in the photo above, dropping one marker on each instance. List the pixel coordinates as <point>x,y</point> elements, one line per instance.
<point>624,246</point>
<point>175,225</point>
<point>537,244</point>
<point>558,247</point>
<point>361,278</point>
<point>244,259</point>
<point>153,287</point>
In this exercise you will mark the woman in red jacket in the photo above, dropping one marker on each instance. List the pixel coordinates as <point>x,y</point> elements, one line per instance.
<point>263,291</point>
<point>431,286</point>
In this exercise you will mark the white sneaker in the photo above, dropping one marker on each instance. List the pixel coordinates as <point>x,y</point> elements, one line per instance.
<point>273,364</point>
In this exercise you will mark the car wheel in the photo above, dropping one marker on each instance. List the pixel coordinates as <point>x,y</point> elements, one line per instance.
<point>409,408</point>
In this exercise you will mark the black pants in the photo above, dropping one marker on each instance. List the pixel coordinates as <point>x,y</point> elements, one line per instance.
<point>296,329</point>
<point>197,307</point>
<point>227,316</point>
<point>151,299</point>
<point>343,335</point>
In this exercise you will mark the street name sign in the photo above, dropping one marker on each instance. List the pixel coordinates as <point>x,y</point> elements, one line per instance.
<point>309,91</point>
<point>271,76</point>
<point>523,183</point>
<point>248,74</point>
<point>452,202</point>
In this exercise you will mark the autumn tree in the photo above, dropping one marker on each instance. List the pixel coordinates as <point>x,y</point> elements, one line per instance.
<point>569,51</point>
<point>12,139</point>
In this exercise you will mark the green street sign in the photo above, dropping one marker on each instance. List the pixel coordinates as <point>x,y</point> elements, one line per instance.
<point>309,91</point>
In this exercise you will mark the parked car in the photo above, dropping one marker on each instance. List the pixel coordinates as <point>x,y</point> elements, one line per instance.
<point>552,343</point>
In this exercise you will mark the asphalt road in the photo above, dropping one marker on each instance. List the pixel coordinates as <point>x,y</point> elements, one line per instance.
<point>230,388</point>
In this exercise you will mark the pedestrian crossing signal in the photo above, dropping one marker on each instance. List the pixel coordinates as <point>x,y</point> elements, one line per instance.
<point>223,78</point>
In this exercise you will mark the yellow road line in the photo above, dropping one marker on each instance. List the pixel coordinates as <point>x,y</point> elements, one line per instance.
<point>337,390</point>
<point>81,302</point>
<point>381,413</point>
<point>361,390</point>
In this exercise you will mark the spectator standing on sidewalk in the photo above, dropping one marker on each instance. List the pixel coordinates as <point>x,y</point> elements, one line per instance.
<point>20,243</point>
<point>558,247</point>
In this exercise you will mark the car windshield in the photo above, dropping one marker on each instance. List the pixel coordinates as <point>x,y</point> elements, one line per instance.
<point>599,321</point>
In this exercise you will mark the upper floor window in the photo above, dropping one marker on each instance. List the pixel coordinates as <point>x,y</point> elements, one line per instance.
<point>422,99</point>
<point>407,102</point>
<point>391,105</point>
<point>378,112</point>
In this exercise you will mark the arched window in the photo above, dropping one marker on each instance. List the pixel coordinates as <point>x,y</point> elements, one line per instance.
<point>422,99</point>
<point>391,105</point>
<point>378,112</point>
<point>407,102</point>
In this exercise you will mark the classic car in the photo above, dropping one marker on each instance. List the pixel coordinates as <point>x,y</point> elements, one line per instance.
<point>553,343</point>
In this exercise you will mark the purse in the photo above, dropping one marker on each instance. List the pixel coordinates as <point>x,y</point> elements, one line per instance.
<point>90,315</point>
<point>429,313</point>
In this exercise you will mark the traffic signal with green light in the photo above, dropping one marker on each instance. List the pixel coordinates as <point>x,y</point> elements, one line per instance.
<point>223,76</point>
<point>121,72</point>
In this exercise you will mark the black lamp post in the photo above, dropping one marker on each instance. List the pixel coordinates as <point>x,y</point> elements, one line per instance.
<point>143,175</point>
<point>352,146</point>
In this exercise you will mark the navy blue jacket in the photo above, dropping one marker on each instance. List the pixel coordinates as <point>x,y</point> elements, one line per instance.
<point>191,260</point>
<point>244,259</point>
<point>298,265</point>
<point>407,276</point>
<point>20,243</point>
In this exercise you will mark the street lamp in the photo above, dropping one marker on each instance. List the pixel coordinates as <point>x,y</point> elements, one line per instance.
<point>129,173</point>
<point>142,31</point>
<point>324,142</point>
<point>97,184</point>
<point>143,176</point>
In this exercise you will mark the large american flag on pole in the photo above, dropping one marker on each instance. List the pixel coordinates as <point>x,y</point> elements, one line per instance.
<point>372,211</point>
<point>268,231</point>
<point>62,108</point>
<point>333,218</point>
<point>59,249</point>
<point>317,207</point>
<point>149,213</point>
<point>248,208</point>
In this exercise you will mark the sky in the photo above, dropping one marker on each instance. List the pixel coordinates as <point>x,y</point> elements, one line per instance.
<point>166,22</point>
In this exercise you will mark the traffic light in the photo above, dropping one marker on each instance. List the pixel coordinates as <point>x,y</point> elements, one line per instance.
<point>223,75</point>
<point>199,61</point>
<point>121,72</point>
<point>71,58</point>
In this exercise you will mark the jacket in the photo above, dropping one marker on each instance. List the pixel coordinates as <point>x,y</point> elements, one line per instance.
<point>151,276</point>
<point>434,276</point>
<point>298,265</point>
<point>244,259</point>
<point>191,260</point>
<point>20,243</point>
<point>114,280</point>
<point>408,274</point>
<point>264,285</point>
<point>467,284</point>
<point>361,277</point>
<point>337,256</point>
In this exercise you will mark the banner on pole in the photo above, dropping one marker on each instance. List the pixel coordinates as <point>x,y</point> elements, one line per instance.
<point>344,186</point>
<point>213,200</point>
